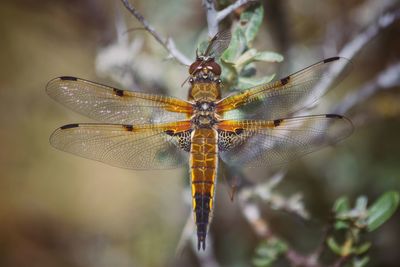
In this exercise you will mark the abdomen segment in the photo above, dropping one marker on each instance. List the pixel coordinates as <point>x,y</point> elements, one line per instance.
<point>203,169</point>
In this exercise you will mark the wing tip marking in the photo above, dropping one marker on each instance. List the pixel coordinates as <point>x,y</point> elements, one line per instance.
<point>69,126</point>
<point>327,60</point>
<point>334,116</point>
<point>68,78</point>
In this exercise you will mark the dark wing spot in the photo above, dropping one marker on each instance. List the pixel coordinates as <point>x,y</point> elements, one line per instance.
<point>69,126</point>
<point>127,127</point>
<point>285,80</point>
<point>334,116</point>
<point>331,59</point>
<point>170,132</point>
<point>277,122</point>
<point>68,78</point>
<point>238,131</point>
<point>118,92</point>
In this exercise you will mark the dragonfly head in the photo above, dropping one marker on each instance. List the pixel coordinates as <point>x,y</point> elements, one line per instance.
<point>205,67</point>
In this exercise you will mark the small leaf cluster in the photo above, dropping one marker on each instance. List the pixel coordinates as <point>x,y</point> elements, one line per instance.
<point>267,252</point>
<point>238,60</point>
<point>351,222</point>
<point>354,221</point>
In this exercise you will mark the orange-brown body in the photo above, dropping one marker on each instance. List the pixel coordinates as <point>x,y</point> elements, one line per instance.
<point>204,93</point>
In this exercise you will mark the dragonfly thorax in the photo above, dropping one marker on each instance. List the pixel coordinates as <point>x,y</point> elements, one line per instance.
<point>204,106</point>
<point>203,121</point>
<point>204,114</point>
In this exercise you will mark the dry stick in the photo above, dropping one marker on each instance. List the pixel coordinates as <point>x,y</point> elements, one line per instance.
<point>388,78</point>
<point>351,49</point>
<point>253,215</point>
<point>167,43</point>
<point>214,17</point>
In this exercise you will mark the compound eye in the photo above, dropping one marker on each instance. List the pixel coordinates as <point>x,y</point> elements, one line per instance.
<point>195,66</point>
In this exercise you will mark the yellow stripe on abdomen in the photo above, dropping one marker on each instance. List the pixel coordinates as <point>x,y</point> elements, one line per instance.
<point>203,170</point>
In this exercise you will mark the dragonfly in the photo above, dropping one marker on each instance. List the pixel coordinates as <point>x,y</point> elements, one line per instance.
<point>251,128</point>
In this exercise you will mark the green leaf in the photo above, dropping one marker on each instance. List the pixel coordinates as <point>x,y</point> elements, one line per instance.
<point>245,83</point>
<point>360,262</point>
<point>267,252</point>
<point>340,225</point>
<point>246,58</point>
<point>236,46</point>
<point>382,209</point>
<point>363,248</point>
<point>229,74</point>
<point>250,21</point>
<point>262,262</point>
<point>341,205</point>
<point>335,247</point>
<point>268,56</point>
<point>253,55</point>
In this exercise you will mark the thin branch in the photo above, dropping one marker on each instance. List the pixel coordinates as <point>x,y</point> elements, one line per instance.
<point>351,49</point>
<point>292,205</point>
<point>358,42</point>
<point>388,78</point>
<point>167,43</point>
<point>341,261</point>
<point>222,14</point>
<point>253,215</point>
<point>214,17</point>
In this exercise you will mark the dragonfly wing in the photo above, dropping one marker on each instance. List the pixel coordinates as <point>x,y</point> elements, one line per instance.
<point>219,43</point>
<point>111,105</point>
<point>286,96</point>
<point>267,143</point>
<point>125,146</point>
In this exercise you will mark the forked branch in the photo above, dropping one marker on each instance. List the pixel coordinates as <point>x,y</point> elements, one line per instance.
<point>167,43</point>
<point>214,17</point>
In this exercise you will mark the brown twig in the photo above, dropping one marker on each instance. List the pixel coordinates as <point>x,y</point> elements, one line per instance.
<point>167,43</point>
<point>388,78</point>
<point>352,48</point>
<point>214,17</point>
<point>253,215</point>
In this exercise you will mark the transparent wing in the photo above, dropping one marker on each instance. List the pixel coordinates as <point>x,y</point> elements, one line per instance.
<point>219,43</point>
<point>286,96</point>
<point>111,105</point>
<point>267,143</point>
<point>125,146</point>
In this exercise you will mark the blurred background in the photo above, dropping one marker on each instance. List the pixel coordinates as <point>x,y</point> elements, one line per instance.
<point>60,210</point>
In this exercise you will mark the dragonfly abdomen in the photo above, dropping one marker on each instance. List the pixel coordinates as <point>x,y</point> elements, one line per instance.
<point>203,169</point>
